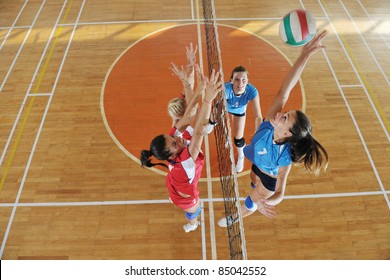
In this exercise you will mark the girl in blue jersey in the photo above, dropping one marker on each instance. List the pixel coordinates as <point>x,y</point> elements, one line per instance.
<point>238,94</point>
<point>281,140</point>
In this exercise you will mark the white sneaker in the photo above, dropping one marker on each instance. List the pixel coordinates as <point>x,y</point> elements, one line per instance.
<point>188,227</point>
<point>240,164</point>
<point>224,221</point>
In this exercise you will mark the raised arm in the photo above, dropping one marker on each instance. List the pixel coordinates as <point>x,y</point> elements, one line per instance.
<point>181,73</point>
<point>213,86</point>
<point>293,76</point>
<point>191,60</point>
<point>192,104</point>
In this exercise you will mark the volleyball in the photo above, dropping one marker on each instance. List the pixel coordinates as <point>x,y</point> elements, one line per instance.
<point>297,28</point>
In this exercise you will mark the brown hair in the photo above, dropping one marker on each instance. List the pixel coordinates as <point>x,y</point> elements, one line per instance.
<point>304,147</point>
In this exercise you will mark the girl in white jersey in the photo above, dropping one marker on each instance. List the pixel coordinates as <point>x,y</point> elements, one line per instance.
<point>280,140</point>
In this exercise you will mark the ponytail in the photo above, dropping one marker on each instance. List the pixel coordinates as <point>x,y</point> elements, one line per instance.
<point>305,148</point>
<point>311,153</point>
<point>158,150</point>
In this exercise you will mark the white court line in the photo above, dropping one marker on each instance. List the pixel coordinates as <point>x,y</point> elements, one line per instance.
<point>166,201</point>
<point>372,20</point>
<point>21,47</point>
<point>40,127</point>
<point>366,44</point>
<point>350,110</point>
<point>192,9</point>
<point>16,27</point>
<point>207,152</point>
<point>13,24</point>
<point>203,230</point>
<point>158,21</point>
<point>359,132</point>
<point>39,94</point>
<point>351,86</point>
<point>356,73</point>
<point>173,20</point>
<point>30,86</point>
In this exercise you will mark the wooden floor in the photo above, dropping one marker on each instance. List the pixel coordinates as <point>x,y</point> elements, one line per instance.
<point>71,184</point>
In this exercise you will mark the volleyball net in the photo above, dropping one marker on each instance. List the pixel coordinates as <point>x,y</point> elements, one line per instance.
<point>223,141</point>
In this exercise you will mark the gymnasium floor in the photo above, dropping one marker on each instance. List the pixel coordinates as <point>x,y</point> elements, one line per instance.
<point>83,89</point>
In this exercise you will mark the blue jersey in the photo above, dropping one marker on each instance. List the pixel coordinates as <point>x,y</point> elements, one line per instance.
<point>237,104</point>
<point>265,153</point>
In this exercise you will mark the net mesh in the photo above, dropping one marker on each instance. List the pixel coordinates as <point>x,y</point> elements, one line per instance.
<point>223,142</point>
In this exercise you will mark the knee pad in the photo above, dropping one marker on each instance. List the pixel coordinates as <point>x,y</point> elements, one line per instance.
<point>191,216</point>
<point>239,142</point>
<point>250,205</point>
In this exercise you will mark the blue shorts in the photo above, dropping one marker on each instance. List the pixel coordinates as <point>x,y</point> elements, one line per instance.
<point>268,181</point>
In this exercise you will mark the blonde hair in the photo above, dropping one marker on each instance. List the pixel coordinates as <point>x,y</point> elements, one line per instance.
<point>176,108</point>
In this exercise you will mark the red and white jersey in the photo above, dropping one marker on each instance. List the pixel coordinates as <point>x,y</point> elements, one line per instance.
<point>187,134</point>
<point>184,174</point>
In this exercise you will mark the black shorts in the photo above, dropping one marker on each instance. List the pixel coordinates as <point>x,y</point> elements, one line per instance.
<point>268,181</point>
<point>238,115</point>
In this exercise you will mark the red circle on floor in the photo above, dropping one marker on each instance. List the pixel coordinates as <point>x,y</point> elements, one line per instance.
<point>139,84</point>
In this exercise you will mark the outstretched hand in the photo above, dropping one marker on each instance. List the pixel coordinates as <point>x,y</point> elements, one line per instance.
<point>201,80</point>
<point>180,73</point>
<point>266,209</point>
<point>214,85</point>
<point>191,54</point>
<point>315,44</point>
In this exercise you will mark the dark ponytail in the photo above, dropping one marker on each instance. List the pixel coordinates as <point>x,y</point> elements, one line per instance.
<point>304,147</point>
<point>158,150</point>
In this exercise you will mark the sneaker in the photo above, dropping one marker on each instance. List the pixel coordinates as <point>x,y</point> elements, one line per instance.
<point>224,221</point>
<point>240,164</point>
<point>188,227</point>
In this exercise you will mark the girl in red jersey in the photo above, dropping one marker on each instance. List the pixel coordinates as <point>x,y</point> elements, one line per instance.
<point>185,159</point>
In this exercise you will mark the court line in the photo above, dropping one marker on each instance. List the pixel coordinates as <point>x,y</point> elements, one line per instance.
<point>21,47</point>
<point>45,113</point>
<point>359,74</point>
<point>351,86</point>
<point>213,243</point>
<point>351,113</point>
<point>182,20</point>
<point>365,43</point>
<point>39,94</point>
<point>358,131</point>
<point>286,196</point>
<point>192,9</point>
<point>203,231</point>
<point>16,27</point>
<point>372,20</point>
<point>158,21</point>
<point>13,24</point>
<point>31,84</point>
<point>166,201</point>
